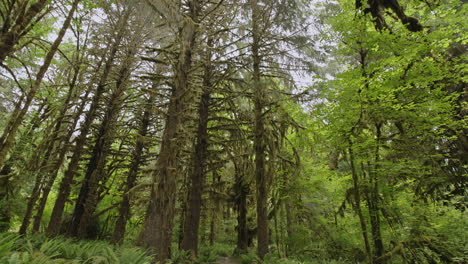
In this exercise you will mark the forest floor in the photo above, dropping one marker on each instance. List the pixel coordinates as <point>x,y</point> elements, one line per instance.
<point>229,260</point>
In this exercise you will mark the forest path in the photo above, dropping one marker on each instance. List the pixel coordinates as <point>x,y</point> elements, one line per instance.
<point>228,260</point>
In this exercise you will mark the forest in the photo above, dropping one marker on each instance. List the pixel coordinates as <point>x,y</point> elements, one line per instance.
<point>233,132</point>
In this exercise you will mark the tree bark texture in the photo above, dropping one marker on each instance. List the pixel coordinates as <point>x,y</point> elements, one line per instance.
<point>192,217</point>
<point>5,215</point>
<point>259,144</point>
<point>156,233</point>
<point>373,201</point>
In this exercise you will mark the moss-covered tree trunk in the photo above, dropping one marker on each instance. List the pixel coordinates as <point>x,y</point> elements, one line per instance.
<point>57,145</point>
<point>357,202</point>
<point>241,206</point>
<point>373,197</point>
<point>135,165</point>
<point>156,233</point>
<point>197,175</point>
<point>259,142</point>
<point>66,183</point>
<point>95,175</point>
<point>38,177</point>
<point>5,215</point>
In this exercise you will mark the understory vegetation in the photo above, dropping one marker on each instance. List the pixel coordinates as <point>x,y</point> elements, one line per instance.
<point>233,131</point>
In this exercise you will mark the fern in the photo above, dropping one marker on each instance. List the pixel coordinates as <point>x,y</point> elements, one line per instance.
<point>7,242</point>
<point>38,249</point>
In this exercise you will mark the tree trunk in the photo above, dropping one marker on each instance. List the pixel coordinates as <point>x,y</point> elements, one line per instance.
<point>192,217</point>
<point>30,205</point>
<point>61,146</point>
<point>65,186</point>
<point>5,216</point>
<point>373,201</point>
<point>95,176</point>
<point>241,206</point>
<point>289,224</point>
<point>216,180</point>
<point>36,163</point>
<point>212,236</point>
<point>357,202</point>
<point>8,136</point>
<point>156,233</point>
<point>137,158</point>
<point>42,204</point>
<point>9,39</point>
<point>259,144</point>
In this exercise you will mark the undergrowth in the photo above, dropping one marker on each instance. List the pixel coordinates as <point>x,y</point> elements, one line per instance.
<point>38,249</point>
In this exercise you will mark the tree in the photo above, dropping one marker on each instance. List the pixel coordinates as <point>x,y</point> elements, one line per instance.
<point>156,233</point>
<point>197,175</point>
<point>18,18</point>
<point>21,108</point>
<point>65,185</point>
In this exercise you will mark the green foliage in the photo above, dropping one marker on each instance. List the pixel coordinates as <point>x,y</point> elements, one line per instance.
<point>180,256</point>
<point>249,258</point>
<point>213,253</point>
<point>395,106</point>
<point>273,259</point>
<point>7,242</point>
<point>40,249</point>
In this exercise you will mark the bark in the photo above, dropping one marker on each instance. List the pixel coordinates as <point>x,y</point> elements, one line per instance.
<point>289,224</point>
<point>5,216</point>
<point>241,206</point>
<point>137,159</point>
<point>58,144</point>
<point>95,175</point>
<point>192,217</point>
<point>38,179</point>
<point>212,236</point>
<point>36,121</point>
<point>65,186</point>
<point>18,116</point>
<point>357,202</point>
<point>11,37</point>
<point>373,200</point>
<point>156,233</point>
<point>30,206</point>
<point>259,144</point>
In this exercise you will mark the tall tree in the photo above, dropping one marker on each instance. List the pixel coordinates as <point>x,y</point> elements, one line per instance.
<point>259,131</point>
<point>135,166</point>
<point>156,233</point>
<point>65,185</point>
<point>21,108</point>
<point>95,176</point>
<point>199,160</point>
